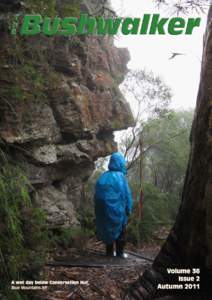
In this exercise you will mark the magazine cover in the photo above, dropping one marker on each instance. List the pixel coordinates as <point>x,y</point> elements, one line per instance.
<point>105,150</point>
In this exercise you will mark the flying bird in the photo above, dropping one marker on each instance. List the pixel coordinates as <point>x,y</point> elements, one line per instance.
<point>174,54</point>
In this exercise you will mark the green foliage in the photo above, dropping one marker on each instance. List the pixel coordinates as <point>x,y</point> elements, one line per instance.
<point>134,230</point>
<point>34,228</point>
<point>71,8</point>
<point>156,213</point>
<point>15,92</point>
<point>75,237</point>
<point>43,7</point>
<point>36,79</point>
<point>12,194</point>
<point>87,220</point>
<point>28,75</point>
<point>166,161</point>
<point>119,78</point>
<point>23,235</point>
<point>165,155</point>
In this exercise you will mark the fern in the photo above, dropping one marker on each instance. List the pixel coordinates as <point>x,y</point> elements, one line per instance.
<point>22,228</point>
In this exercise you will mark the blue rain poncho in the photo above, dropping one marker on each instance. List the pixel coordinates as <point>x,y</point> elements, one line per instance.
<point>113,200</point>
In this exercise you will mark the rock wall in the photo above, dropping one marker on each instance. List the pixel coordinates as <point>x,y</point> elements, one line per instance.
<point>59,106</point>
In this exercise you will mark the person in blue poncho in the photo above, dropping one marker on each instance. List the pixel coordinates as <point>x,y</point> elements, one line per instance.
<point>113,204</point>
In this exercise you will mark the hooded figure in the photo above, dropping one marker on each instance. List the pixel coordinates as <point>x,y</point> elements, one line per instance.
<point>113,203</point>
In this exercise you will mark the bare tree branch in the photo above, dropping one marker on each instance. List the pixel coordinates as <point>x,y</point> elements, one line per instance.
<point>184,6</point>
<point>145,151</point>
<point>103,8</point>
<point>151,98</point>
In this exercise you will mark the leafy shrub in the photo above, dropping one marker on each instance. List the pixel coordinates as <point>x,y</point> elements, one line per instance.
<point>86,218</point>
<point>73,237</point>
<point>23,235</point>
<point>77,236</point>
<point>156,212</point>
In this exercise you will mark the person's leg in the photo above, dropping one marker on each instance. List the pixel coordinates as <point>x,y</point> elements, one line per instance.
<point>120,243</point>
<point>109,249</point>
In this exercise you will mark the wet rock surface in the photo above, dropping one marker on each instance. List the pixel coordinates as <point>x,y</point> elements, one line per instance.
<point>60,104</point>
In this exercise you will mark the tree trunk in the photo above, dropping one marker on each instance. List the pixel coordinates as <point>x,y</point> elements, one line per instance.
<point>189,244</point>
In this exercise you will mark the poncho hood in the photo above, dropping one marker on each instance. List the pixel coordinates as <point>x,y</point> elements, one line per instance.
<point>117,163</point>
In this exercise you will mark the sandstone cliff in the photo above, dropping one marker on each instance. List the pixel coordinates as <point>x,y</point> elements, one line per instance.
<point>59,106</point>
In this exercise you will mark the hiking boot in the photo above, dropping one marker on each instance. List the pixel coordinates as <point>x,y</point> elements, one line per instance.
<point>120,249</point>
<point>109,250</point>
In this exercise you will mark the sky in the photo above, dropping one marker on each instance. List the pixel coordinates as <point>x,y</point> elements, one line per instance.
<point>152,52</point>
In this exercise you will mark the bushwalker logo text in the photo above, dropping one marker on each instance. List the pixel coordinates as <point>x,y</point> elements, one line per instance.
<point>31,25</point>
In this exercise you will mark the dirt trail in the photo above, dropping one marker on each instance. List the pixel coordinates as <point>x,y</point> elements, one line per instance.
<point>100,277</point>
